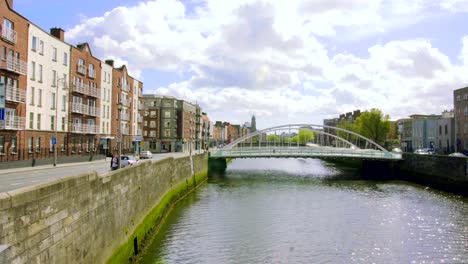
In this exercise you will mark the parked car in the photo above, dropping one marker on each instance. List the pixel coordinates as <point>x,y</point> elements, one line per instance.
<point>457,154</point>
<point>127,161</point>
<point>146,154</point>
<point>425,151</point>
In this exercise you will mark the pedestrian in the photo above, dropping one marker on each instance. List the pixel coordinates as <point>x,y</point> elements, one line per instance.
<point>114,163</point>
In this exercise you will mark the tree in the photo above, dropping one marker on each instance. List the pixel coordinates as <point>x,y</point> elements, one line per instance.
<point>373,125</point>
<point>273,138</point>
<point>305,136</point>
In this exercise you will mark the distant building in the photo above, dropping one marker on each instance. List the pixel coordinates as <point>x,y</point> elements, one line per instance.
<point>253,124</point>
<point>460,97</point>
<point>349,117</point>
<point>427,131</point>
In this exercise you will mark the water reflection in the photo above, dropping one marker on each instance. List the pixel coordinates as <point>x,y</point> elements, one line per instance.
<point>305,211</point>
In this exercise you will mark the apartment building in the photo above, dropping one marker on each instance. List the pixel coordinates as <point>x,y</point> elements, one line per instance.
<point>85,102</point>
<point>47,94</point>
<point>13,70</point>
<point>460,97</point>
<point>206,128</point>
<point>152,122</point>
<point>137,115</point>
<point>187,125</point>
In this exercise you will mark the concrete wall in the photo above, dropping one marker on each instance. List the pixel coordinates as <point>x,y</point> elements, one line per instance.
<point>441,172</point>
<point>88,218</point>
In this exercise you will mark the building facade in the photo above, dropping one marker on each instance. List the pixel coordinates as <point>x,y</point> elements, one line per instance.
<point>47,95</point>
<point>13,71</point>
<point>460,97</point>
<point>445,137</point>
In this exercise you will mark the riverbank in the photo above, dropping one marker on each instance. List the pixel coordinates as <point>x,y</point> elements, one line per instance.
<point>90,218</point>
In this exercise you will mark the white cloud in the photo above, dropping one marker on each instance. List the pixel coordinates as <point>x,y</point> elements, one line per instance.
<point>270,58</point>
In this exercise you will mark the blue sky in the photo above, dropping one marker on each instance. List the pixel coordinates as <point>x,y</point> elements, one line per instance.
<point>296,61</point>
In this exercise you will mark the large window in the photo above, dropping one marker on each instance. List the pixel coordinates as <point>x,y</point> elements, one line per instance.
<point>13,145</point>
<point>2,145</point>
<point>38,121</point>
<point>52,123</point>
<point>31,120</point>
<point>54,54</point>
<point>30,145</point>
<point>63,123</point>
<point>38,144</point>
<point>33,70</point>
<point>51,146</point>
<point>54,78</point>
<point>52,101</point>
<point>4,53</point>
<point>39,97</point>
<point>65,58</point>
<point>41,47</point>
<point>39,73</point>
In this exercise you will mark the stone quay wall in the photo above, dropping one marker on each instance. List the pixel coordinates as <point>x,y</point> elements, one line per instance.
<point>93,219</point>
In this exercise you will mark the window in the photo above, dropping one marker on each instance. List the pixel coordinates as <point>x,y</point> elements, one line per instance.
<point>446,129</point>
<point>54,54</point>
<point>167,114</point>
<point>41,47</point>
<point>65,58</point>
<point>80,145</point>
<point>31,99</point>
<point>34,43</point>
<point>39,73</point>
<point>13,145</point>
<point>4,53</point>
<point>30,145</point>
<point>31,120</point>
<point>440,130</point>
<point>51,145</point>
<point>39,97</point>
<point>38,144</point>
<point>33,70</point>
<point>73,145</point>
<point>91,71</point>
<point>64,102</point>
<point>63,123</point>
<point>52,101</point>
<point>458,98</point>
<point>63,144</point>
<point>87,144</point>
<point>2,145</point>
<point>38,121</point>
<point>465,112</point>
<point>54,78</point>
<point>52,122</point>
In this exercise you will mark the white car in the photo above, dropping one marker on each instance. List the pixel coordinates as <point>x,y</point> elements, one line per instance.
<point>146,154</point>
<point>457,154</point>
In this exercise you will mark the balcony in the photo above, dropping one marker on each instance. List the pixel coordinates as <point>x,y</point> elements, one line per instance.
<point>15,65</point>
<point>85,109</point>
<point>81,69</point>
<point>14,94</point>
<point>86,89</point>
<point>126,88</point>
<point>12,123</point>
<point>125,102</point>
<point>125,117</point>
<point>8,34</point>
<point>85,129</point>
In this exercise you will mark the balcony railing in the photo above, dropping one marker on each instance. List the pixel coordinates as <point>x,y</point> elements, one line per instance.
<point>85,109</point>
<point>125,117</point>
<point>15,65</point>
<point>126,88</point>
<point>81,69</point>
<point>125,102</point>
<point>85,129</point>
<point>9,34</point>
<point>12,123</point>
<point>86,89</point>
<point>14,94</point>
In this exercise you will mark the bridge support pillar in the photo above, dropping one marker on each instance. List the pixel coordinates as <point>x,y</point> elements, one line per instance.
<point>216,166</point>
<point>378,170</point>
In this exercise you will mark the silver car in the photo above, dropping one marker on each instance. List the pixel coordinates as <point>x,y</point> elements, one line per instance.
<point>146,154</point>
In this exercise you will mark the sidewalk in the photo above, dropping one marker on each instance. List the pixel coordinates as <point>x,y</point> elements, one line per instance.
<point>50,166</point>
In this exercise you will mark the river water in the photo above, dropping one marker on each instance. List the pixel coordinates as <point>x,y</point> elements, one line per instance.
<point>307,211</point>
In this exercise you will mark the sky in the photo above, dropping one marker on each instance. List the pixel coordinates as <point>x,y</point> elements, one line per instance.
<point>295,61</point>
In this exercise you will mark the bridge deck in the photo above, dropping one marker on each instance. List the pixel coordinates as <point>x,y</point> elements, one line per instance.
<point>305,152</point>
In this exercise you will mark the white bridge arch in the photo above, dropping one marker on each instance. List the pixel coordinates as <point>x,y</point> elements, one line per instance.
<point>290,141</point>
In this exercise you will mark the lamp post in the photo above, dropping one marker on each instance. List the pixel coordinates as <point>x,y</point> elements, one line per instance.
<point>56,116</point>
<point>120,107</point>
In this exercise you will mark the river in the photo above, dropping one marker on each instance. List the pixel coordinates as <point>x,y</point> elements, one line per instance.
<point>307,211</point>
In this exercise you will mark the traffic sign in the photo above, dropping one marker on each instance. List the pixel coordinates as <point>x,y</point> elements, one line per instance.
<point>54,141</point>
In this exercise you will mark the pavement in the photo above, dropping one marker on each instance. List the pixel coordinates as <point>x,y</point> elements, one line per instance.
<point>11,179</point>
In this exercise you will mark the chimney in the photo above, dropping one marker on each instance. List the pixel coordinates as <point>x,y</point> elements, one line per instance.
<point>58,33</point>
<point>110,62</point>
<point>10,3</point>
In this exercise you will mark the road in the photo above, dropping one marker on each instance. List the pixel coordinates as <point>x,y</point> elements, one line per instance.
<point>12,179</point>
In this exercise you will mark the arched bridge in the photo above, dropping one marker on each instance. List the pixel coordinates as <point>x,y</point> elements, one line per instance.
<point>304,141</point>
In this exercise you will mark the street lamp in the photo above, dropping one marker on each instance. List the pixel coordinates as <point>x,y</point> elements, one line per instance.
<point>120,107</point>
<point>59,80</point>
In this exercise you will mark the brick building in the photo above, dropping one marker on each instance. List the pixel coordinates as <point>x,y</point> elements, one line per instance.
<point>460,97</point>
<point>13,70</point>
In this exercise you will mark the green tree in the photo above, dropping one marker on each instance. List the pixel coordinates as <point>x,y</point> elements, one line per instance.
<point>273,138</point>
<point>373,125</point>
<point>305,135</point>
<point>348,126</point>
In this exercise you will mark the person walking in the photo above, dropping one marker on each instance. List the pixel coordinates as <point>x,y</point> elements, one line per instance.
<point>114,163</point>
